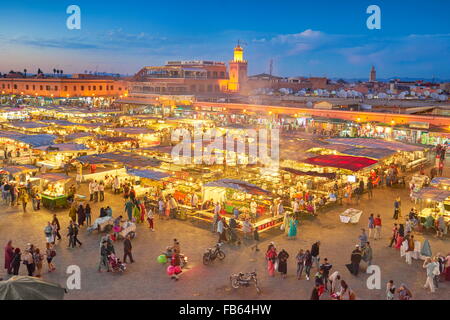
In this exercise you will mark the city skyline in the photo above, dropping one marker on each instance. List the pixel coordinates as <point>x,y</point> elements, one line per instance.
<point>414,40</point>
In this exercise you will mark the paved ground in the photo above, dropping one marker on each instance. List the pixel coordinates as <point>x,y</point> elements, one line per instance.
<point>146,279</point>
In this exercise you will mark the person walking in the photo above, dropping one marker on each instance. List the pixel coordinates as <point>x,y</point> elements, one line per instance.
<point>29,261</point>
<point>24,198</point>
<point>91,190</point>
<point>410,249</point>
<point>282,263</point>
<point>315,293</point>
<point>362,238</point>
<point>48,231</point>
<point>50,253</point>
<point>56,228</point>
<point>73,212</point>
<point>293,223</point>
<point>104,252</point>
<point>315,254</point>
<point>88,214</point>
<point>367,254</point>
<point>271,257</point>
<point>127,247</point>
<point>76,229</point>
<point>308,264</point>
<point>355,260</point>
<point>129,209</point>
<point>346,291</point>
<point>377,223</point>
<point>300,263</point>
<point>335,282</point>
<point>15,262</point>
<point>431,267</point>
<point>101,190</point>
<point>150,219</point>
<point>38,257</point>
<point>394,235</point>
<point>370,188</point>
<point>390,290</point>
<point>9,254</point>
<point>81,215</point>
<point>371,225</point>
<point>326,267</point>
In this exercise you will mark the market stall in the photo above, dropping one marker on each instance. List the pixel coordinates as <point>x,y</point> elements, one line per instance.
<point>433,203</point>
<point>54,191</point>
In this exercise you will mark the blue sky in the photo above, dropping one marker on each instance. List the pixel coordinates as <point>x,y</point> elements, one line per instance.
<point>317,38</point>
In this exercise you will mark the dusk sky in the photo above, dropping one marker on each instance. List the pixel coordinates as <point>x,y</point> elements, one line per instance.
<point>304,38</point>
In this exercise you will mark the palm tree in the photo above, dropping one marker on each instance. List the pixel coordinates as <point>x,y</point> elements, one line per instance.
<point>62,72</point>
<point>54,71</point>
<point>25,72</point>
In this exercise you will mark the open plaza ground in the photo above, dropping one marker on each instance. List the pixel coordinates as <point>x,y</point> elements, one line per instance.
<point>147,279</point>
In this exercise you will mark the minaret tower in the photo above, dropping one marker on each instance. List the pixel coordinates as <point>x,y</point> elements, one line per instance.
<point>238,70</point>
<point>373,75</point>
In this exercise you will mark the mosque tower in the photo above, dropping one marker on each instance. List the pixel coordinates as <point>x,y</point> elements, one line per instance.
<point>373,75</point>
<point>238,70</point>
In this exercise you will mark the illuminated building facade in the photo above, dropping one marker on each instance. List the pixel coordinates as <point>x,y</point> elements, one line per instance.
<point>192,77</point>
<point>76,86</point>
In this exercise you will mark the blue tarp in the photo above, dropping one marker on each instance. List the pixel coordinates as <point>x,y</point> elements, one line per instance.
<point>237,185</point>
<point>29,125</point>
<point>61,123</point>
<point>441,182</point>
<point>133,130</point>
<point>149,174</point>
<point>374,153</point>
<point>432,194</point>
<point>125,158</point>
<point>77,135</point>
<point>18,169</point>
<point>53,177</point>
<point>375,143</point>
<point>63,147</point>
<point>36,140</point>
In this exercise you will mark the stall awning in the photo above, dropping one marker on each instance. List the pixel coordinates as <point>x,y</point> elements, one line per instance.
<point>18,169</point>
<point>238,185</point>
<point>133,130</point>
<point>441,182</point>
<point>148,174</point>
<point>125,158</point>
<point>29,125</point>
<point>36,140</point>
<point>376,143</point>
<point>60,123</point>
<point>374,153</point>
<point>341,162</point>
<point>115,139</point>
<point>331,175</point>
<point>53,177</point>
<point>77,135</point>
<point>63,147</point>
<point>432,194</point>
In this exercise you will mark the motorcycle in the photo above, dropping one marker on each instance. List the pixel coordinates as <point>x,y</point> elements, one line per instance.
<point>244,280</point>
<point>211,254</point>
<point>169,254</point>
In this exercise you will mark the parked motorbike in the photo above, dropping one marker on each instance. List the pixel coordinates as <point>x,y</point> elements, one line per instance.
<point>212,253</point>
<point>244,280</point>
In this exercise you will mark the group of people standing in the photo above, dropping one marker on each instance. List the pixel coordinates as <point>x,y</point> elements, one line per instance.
<point>31,257</point>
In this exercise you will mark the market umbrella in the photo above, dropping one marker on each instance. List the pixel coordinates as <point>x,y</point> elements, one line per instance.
<point>30,288</point>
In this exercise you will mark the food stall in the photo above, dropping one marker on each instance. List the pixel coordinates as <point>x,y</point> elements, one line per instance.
<point>433,203</point>
<point>53,188</point>
<point>55,156</point>
<point>18,173</point>
<point>147,181</point>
